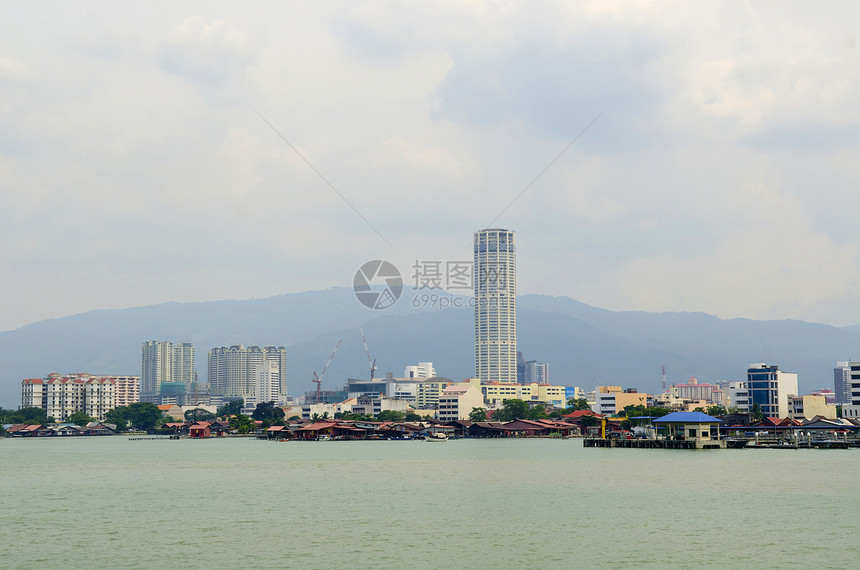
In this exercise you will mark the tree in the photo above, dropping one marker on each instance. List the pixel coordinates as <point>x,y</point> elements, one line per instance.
<point>390,416</point>
<point>80,419</point>
<point>142,415</point>
<point>412,417</point>
<point>537,412</point>
<point>588,421</point>
<point>574,404</point>
<point>231,408</point>
<point>268,411</point>
<point>25,416</point>
<point>294,418</point>
<point>756,412</point>
<point>199,415</point>
<point>242,423</point>
<point>478,415</point>
<point>513,409</point>
<point>716,410</point>
<point>117,417</point>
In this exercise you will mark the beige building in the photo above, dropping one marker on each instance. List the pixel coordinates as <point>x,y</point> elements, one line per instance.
<point>456,402</point>
<point>495,393</point>
<point>807,407</point>
<point>610,400</point>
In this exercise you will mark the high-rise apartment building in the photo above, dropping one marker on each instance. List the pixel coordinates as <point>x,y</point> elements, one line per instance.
<point>61,396</point>
<point>233,370</point>
<point>769,387</point>
<point>165,362</point>
<point>495,282</point>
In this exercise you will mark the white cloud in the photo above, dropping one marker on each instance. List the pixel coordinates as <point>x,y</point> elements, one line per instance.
<point>134,167</point>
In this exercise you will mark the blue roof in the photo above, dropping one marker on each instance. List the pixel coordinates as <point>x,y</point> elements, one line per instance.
<point>686,417</point>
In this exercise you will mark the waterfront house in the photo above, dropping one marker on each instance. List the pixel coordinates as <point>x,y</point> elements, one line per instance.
<point>527,428</point>
<point>691,426</point>
<point>200,430</point>
<point>488,429</point>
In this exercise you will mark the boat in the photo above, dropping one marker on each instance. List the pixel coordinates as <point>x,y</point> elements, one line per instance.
<point>437,437</point>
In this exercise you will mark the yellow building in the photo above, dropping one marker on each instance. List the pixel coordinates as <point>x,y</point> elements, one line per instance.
<point>807,407</point>
<point>495,393</point>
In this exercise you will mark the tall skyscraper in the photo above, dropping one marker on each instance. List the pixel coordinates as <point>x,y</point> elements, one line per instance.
<point>495,280</point>
<point>165,362</point>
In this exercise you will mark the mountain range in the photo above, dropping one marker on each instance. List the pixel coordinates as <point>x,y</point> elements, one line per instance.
<point>585,346</point>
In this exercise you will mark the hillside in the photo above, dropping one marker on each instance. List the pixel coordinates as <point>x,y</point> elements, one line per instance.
<point>585,346</point>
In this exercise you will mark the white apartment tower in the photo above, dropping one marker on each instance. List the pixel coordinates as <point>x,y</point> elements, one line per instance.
<point>163,361</point>
<point>495,281</point>
<point>233,371</point>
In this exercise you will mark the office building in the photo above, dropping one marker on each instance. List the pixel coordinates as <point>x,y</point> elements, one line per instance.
<point>495,283</point>
<point>534,371</point>
<point>842,382</point>
<point>769,387</point>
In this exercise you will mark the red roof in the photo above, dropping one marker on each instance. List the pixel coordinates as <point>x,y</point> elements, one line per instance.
<point>579,413</point>
<point>317,426</point>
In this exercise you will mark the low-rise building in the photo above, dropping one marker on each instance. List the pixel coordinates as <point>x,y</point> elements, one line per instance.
<point>809,406</point>
<point>456,402</point>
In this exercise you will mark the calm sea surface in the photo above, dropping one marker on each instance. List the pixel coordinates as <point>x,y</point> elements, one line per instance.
<point>114,503</point>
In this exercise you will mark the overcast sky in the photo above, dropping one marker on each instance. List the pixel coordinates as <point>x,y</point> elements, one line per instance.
<point>721,177</point>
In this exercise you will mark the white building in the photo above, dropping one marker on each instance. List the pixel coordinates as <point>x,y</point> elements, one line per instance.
<point>233,370</point>
<point>495,284</point>
<point>165,362</point>
<point>853,391</point>
<point>61,396</point>
<point>423,370</point>
<point>457,400</point>
<point>739,396</point>
<point>770,387</point>
<point>267,384</point>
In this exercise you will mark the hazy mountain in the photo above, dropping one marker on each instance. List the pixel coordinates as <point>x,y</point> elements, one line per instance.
<point>584,345</point>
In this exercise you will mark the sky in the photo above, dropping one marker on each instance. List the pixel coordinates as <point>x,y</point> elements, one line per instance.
<point>197,151</point>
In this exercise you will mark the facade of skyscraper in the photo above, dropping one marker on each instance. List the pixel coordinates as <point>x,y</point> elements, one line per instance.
<point>842,382</point>
<point>495,282</point>
<point>770,387</point>
<point>233,370</point>
<point>534,371</point>
<point>164,362</point>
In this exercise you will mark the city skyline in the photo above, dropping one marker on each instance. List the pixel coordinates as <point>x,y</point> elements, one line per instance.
<point>714,179</point>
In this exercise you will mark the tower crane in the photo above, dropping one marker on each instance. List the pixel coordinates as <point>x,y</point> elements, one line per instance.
<point>369,361</point>
<point>318,379</point>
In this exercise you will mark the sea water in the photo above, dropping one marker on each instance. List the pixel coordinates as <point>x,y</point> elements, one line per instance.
<point>484,503</point>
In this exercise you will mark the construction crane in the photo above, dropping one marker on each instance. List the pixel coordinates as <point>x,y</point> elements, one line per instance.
<point>318,379</point>
<point>369,361</point>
